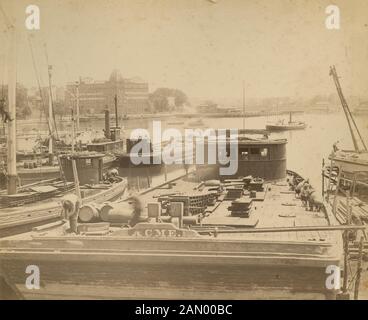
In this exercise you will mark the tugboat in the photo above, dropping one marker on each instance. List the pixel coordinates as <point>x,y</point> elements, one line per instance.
<point>248,237</point>
<point>112,143</point>
<point>45,166</point>
<point>282,126</point>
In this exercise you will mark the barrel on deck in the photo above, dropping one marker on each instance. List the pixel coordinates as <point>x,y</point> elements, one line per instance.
<point>104,211</point>
<point>89,213</point>
<point>116,212</point>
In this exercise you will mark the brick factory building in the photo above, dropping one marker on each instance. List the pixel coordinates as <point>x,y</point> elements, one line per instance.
<point>94,96</point>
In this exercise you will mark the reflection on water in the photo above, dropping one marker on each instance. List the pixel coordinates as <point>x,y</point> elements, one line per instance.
<point>305,149</point>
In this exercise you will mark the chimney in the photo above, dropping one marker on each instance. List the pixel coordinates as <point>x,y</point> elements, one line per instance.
<point>107,124</point>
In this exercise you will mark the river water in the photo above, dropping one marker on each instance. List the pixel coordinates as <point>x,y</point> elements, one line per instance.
<point>305,148</point>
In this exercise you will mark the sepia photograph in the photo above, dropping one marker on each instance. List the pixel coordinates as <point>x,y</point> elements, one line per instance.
<point>183,150</point>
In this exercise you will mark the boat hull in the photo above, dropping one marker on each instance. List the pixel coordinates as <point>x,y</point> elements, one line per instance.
<point>350,165</point>
<point>28,176</point>
<point>24,219</point>
<point>271,127</point>
<point>185,269</point>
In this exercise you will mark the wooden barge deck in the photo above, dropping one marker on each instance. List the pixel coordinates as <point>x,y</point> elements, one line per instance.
<point>222,257</point>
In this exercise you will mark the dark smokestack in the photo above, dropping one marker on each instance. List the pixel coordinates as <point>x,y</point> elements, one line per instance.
<point>107,124</point>
<point>116,110</point>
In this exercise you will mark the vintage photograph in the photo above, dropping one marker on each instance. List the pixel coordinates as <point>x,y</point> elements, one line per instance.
<point>184,149</point>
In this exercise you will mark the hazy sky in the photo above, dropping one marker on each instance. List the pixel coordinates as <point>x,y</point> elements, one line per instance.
<point>277,47</point>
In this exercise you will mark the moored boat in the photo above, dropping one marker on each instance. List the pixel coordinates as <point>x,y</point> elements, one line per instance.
<point>248,237</point>
<point>277,252</point>
<point>282,126</point>
<point>349,160</point>
<point>40,202</point>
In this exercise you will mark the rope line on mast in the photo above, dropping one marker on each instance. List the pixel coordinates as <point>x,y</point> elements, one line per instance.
<point>38,81</point>
<point>347,112</point>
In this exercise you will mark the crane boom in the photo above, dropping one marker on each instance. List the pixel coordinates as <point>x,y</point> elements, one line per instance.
<point>354,131</point>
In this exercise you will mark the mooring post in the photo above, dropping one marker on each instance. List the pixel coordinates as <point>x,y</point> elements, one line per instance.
<point>76,180</point>
<point>148,178</point>
<point>346,245</point>
<point>359,269</point>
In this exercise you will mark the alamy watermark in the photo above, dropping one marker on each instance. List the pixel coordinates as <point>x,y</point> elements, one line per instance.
<point>333,280</point>
<point>32,21</point>
<point>196,146</point>
<point>33,280</point>
<point>333,19</point>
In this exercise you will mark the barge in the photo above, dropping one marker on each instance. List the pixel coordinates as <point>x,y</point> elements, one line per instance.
<point>248,237</point>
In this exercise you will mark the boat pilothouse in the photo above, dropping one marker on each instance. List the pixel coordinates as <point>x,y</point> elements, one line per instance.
<point>255,155</point>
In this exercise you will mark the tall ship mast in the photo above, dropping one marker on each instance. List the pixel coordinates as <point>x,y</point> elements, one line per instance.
<point>12,131</point>
<point>349,160</point>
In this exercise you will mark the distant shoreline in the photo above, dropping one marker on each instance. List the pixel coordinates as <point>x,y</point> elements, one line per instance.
<point>101,116</point>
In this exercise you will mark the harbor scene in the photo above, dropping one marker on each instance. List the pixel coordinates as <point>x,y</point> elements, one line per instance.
<point>151,186</point>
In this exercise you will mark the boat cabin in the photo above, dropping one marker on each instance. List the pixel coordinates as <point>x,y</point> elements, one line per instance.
<point>263,157</point>
<point>113,144</point>
<point>89,167</point>
<point>130,143</point>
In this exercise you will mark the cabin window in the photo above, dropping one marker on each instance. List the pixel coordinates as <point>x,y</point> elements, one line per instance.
<point>255,151</point>
<point>264,152</point>
<point>88,163</point>
<point>244,155</point>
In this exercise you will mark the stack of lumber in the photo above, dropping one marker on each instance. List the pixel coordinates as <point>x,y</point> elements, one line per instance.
<point>234,193</point>
<point>193,204</point>
<point>241,207</point>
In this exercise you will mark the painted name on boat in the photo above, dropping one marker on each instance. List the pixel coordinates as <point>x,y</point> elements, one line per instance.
<point>156,230</point>
<point>156,233</point>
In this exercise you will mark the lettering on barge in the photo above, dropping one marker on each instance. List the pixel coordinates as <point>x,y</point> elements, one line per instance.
<point>156,233</point>
<point>156,230</point>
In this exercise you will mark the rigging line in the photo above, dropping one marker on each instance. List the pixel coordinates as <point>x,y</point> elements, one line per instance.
<point>343,104</point>
<point>2,99</point>
<point>356,128</point>
<point>355,125</point>
<point>347,112</point>
<point>50,88</point>
<point>2,75</point>
<point>38,80</point>
<point>8,23</point>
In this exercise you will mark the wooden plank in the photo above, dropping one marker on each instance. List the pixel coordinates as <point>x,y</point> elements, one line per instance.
<point>48,226</point>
